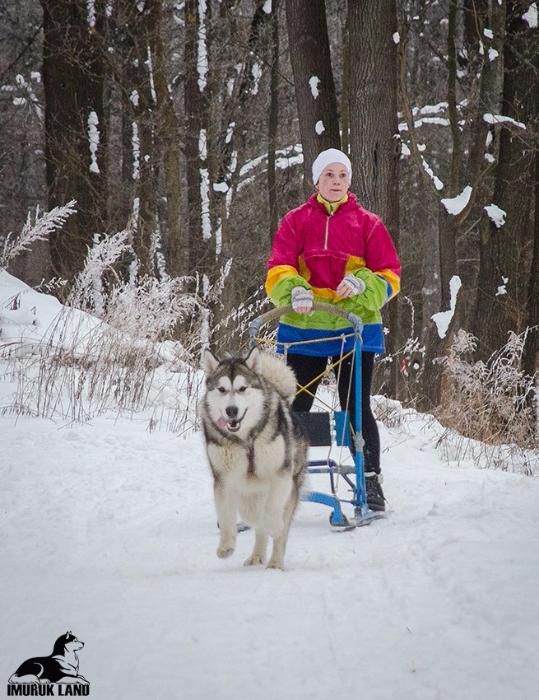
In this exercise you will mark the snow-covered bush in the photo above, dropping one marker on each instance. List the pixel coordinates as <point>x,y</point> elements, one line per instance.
<point>119,343</point>
<point>138,308</point>
<point>88,289</point>
<point>37,228</point>
<point>489,401</point>
<point>403,425</point>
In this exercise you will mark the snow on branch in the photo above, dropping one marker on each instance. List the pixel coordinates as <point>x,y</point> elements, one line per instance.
<point>496,215</point>
<point>424,115</point>
<point>314,82</point>
<point>435,179</point>
<point>23,85</point>
<point>530,16</point>
<point>90,9</point>
<point>38,229</point>
<point>202,48</point>
<point>256,74</point>
<point>454,205</point>
<point>286,157</point>
<point>149,65</point>
<point>500,119</point>
<point>443,318</point>
<point>93,140</point>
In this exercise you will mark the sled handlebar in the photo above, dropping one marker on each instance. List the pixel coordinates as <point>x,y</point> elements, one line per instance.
<point>256,324</point>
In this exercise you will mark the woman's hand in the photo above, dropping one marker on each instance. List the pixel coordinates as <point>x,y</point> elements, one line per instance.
<point>302,300</point>
<point>350,286</point>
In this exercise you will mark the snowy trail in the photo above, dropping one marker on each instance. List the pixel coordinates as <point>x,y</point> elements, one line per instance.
<point>110,531</point>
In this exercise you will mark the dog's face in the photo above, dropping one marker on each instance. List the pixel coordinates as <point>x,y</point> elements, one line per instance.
<point>234,397</point>
<point>67,643</point>
<point>74,645</point>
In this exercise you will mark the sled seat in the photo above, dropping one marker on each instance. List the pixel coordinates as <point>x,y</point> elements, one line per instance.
<point>326,430</point>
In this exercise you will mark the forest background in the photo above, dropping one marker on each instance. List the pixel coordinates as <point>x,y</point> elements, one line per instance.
<point>185,130</point>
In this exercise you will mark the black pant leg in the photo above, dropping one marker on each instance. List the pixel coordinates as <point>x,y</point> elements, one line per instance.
<point>306,368</point>
<point>369,427</point>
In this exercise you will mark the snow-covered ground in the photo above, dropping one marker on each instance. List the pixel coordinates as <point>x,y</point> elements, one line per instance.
<point>109,530</point>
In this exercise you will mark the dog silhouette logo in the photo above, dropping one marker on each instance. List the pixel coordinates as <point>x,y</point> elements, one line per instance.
<point>56,674</point>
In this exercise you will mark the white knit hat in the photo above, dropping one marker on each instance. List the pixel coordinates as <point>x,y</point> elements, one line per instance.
<point>332,155</point>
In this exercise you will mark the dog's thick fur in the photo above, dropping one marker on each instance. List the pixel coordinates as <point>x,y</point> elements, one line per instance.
<point>256,448</point>
<point>62,666</point>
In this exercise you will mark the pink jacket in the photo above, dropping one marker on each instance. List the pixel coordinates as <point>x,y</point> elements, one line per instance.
<point>322,248</point>
<point>315,250</point>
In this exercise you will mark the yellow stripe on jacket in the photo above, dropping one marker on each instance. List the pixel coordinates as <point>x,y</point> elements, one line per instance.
<point>392,279</point>
<point>278,273</point>
<point>355,263</point>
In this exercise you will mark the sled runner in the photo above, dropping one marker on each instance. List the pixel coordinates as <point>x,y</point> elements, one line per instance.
<point>333,428</point>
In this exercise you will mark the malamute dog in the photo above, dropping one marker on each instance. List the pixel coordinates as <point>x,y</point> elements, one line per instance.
<point>256,448</point>
<point>62,666</point>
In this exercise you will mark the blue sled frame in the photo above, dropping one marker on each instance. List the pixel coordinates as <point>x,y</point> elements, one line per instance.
<point>362,514</point>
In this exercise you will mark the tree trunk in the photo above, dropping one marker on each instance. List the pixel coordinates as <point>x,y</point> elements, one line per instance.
<point>374,142</point>
<point>136,25</point>
<point>73,80</point>
<point>237,109</point>
<point>273,121</point>
<point>531,358</point>
<point>234,142</point>
<point>478,167</point>
<point>456,151</point>
<point>447,223</point>
<point>201,249</point>
<point>374,145</point>
<point>168,133</point>
<point>313,79</point>
<point>459,237</point>
<point>505,251</point>
<point>425,229</point>
<point>475,15</point>
<point>345,97</point>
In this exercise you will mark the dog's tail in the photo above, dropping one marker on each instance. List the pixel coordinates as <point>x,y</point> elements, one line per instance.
<point>279,374</point>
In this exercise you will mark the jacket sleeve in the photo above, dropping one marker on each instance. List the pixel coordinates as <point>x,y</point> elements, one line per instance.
<point>381,273</point>
<point>283,266</point>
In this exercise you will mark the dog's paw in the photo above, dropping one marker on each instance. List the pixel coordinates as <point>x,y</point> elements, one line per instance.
<point>275,564</point>
<point>225,550</point>
<point>254,560</point>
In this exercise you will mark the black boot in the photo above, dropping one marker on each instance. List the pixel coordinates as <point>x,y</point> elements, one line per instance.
<point>375,495</point>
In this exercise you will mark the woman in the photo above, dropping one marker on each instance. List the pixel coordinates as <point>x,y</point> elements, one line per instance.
<point>331,249</point>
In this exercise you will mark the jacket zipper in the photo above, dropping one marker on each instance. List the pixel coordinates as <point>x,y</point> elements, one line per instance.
<point>327,231</point>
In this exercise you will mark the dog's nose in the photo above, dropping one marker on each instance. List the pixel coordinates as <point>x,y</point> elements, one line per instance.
<point>231,411</point>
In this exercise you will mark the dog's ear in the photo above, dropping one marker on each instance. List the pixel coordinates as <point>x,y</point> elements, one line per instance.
<point>253,359</point>
<point>209,361</point>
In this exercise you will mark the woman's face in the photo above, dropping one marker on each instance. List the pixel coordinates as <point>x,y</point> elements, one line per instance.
<point>334,182</point>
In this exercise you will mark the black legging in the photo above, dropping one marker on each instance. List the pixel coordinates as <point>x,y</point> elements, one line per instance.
<point>307,368</point>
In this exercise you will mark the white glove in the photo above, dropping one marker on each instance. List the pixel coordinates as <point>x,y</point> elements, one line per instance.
<point>302,300</point>
<point>350,286</point>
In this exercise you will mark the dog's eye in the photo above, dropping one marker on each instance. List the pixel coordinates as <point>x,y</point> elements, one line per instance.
<point>242,389</point>
<point>221,389</point>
